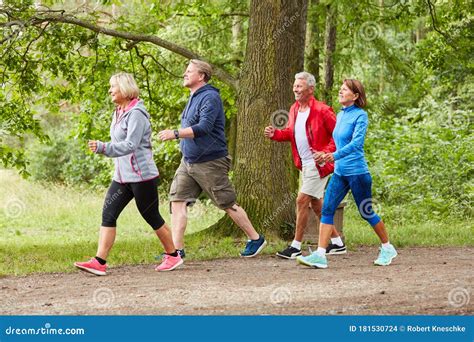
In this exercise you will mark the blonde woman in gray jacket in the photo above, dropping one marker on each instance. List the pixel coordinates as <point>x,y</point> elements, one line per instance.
<point>135,175</point>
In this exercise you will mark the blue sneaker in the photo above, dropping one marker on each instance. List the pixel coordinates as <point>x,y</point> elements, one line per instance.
<point>253,247</point>
<point>180,252</point>
<point>313,260</point>
<point>386,255</point>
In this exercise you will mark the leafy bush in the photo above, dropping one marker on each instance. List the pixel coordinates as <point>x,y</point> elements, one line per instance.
<point>65,160</point>
<point>424,159</point>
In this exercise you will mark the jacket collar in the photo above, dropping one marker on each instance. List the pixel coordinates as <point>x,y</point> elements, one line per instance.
<point>311,103</point>
<point>350,108</point>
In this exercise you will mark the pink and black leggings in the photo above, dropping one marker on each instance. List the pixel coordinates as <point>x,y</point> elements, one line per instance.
<point>146,199</point>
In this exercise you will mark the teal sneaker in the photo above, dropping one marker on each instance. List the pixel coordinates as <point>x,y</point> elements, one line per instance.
<point>313,260</point>
<point>386,255</point>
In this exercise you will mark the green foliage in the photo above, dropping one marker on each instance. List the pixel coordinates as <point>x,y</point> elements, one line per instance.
<point>66,160</point>
<point>415,63</point>
<point>429,164</point>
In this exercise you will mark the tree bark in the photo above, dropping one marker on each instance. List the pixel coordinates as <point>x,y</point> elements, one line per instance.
<point>330,42</point>
<point>265,176</point>
<point>313,44</point>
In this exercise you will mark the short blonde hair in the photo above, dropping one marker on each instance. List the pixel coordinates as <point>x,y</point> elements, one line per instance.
<point>203,68</point>
<point>126,83</point>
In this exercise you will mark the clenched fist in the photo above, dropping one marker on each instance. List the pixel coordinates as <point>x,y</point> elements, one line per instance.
<point>269,132</point>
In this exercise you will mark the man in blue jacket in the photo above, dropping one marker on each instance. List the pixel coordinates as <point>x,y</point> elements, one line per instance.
<point>206,162</point>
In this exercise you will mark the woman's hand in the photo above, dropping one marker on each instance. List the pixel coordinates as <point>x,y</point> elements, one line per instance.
<point>328,158</point>
<point>92,145</point>
<point>318,157</point>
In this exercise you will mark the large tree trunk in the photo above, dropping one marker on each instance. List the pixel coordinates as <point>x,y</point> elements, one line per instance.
<point>265,177</point>
<point>330,42</point>
<point>313,44</point>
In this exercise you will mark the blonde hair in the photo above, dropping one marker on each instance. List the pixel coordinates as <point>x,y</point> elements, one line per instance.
<point>203,68</point>
<point>127,85</point>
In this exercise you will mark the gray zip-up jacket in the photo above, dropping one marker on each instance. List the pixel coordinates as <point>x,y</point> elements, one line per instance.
<point>131,146</point>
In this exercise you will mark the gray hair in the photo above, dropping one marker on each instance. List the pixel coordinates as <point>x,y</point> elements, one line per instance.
<point>310,80</point>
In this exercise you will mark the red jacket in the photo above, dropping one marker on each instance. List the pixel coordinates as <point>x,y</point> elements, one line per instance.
<point>319,127</point>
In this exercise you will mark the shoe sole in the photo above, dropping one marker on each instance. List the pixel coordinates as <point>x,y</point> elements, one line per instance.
<point>258,250</point>
<point>337,252</point>
<point>293,257</point>
<point>311,265</point>
<point>91,270</point>
<point>172,268</point>
<point>390,261</point>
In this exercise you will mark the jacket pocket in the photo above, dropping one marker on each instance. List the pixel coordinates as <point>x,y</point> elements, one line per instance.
<point>134,165</point>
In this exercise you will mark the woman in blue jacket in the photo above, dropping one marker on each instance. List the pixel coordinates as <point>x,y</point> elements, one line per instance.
<point>135,175</point>
<point>350,173</point>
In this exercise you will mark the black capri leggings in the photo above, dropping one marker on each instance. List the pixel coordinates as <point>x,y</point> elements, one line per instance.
<point>146,198</point>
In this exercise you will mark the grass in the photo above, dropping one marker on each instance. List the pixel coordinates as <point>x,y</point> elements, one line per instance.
<point>47,228</point>
<point>407,227</point>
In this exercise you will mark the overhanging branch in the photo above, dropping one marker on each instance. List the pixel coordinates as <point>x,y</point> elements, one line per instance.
<point>220,73</point>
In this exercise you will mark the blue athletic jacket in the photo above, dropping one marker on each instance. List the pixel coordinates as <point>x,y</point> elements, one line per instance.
<point>204,113</point>
<point>349,136</point>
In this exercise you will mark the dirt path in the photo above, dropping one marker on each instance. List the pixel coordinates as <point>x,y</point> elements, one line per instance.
<point>420,281</point>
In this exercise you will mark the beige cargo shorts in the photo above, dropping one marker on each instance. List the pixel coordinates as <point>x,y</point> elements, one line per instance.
<point>190,180</point>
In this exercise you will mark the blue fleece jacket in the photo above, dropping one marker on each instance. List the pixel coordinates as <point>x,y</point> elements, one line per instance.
<point>204,113</point>
<point>349,136</point>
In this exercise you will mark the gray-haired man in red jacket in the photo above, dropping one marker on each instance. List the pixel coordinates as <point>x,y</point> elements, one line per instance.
<point>309,129</point>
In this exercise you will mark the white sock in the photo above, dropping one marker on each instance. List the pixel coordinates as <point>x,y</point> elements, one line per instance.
<point>296,244</point>
<point>321,251</point>
<point>386,245</point>
<point>337,241</point>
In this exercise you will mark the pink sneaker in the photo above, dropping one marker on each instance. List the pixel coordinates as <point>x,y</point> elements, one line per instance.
<point>169,263</point>
<point>92,266</point>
